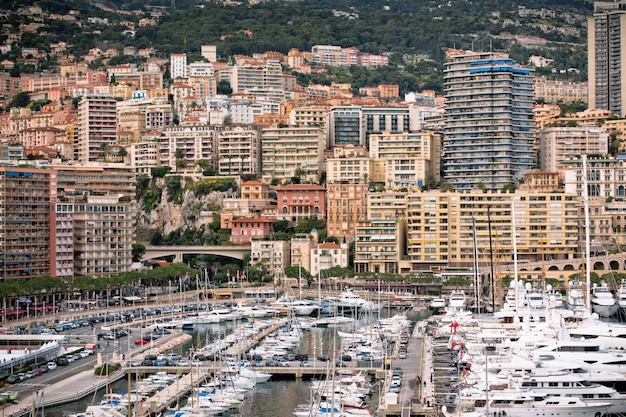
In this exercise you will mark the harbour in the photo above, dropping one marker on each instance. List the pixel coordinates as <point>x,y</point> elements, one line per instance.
<point>287,379</point>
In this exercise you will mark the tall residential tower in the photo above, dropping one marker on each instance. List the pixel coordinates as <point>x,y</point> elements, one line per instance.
<point>606,57</point>
<point>488,138</point>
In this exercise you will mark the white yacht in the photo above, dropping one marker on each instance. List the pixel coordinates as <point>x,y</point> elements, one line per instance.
<point>575,300</point>
<point>563,383</point>
<point>603,301</point>
<point>457,300</point>
<point>621,296</point>
<point>437,304</point>
<point>511,402</point>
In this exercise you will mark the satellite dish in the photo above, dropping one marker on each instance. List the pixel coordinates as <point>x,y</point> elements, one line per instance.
<point>549,287</point>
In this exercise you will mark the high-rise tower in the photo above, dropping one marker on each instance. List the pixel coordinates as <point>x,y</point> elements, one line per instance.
<point>488,120</point>
<point>606,56</point>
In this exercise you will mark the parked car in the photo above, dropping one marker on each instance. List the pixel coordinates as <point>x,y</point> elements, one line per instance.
<point>284,364</point>
<point>62,361</point>
<point>37,372</point>
<point>13,379</point>
<point>323,358</point>
<point>271,363</point>
<point>133,362</point>
<point>182,362</point>
<point>301,357</point>
<point>142,342</point>
<point>346,358</point>
<point>402,354</point>
<point>51,365</point>
<point>305,364</point>
<point>29,374</point>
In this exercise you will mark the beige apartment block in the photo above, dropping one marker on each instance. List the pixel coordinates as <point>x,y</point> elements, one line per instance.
<point>285,149</point>
<point>271,255</point>
<point>558,144</point>
<point>195,142</point>
<point>348,164</point>
<point>442,227</point>
<point>239,150</point>
<point>410,157</point>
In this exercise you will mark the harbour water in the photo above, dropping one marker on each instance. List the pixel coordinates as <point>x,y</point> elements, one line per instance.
<point>276,398</point>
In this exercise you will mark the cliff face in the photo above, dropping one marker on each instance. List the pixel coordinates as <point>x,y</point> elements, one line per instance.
<point>188,210</point>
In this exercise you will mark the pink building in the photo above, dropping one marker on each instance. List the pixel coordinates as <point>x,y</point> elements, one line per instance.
<point>243,230</point>
<point>297,201</point>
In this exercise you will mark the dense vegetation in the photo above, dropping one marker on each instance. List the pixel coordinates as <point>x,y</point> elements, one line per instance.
<point>415,33</point>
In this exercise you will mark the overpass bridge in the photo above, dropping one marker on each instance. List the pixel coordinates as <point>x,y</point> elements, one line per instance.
<point>229,251</point>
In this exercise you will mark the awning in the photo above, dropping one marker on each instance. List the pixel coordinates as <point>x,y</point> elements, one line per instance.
<point>132,298</point>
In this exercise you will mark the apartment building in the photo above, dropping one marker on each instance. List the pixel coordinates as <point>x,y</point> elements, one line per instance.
<point>354,124</point>
<point>301,244</point>
<point>192,142</point>
<point>178,66</point>
<point>27,235</point>
<point>557,91</point>
<point>145,155</point>
<point>380,244</point>
<point>442,227</point>
<point>103,216</point>
<point>606,184</point>
<point>346,207</point>
<point>239,150</point>
<point>410,157</point>
<point>349,164</point>
<point>327,255</point>
<point>103,236</point>
<point>606,53</point>
<point>559,144</point>
<point>262,79</point>
<point>272,255</point>
<point>97,127</point>
<point>286,149</point>
<point>488,137</point>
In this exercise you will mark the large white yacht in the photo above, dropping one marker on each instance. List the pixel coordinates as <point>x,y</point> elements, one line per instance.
<point>603,301</point>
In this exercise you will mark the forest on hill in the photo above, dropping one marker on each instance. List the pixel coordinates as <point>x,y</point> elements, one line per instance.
<point>414,33</point>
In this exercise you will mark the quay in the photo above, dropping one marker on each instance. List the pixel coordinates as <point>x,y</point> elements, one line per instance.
<point>417,393</point>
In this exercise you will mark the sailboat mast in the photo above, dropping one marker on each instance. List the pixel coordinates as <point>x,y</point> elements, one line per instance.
<point>476,275</point>
<point>587,244</point>
<point>515,276</point>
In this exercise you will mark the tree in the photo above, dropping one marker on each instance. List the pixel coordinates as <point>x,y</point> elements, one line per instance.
<point>21,99</point>
<point>122,152</point>
<point>138,251</point>
<point>105,148</point>
<point>509,188</point>
<point>227,121</point>
<point>298,174</point>
<point>223,87</point>
<point>179,153</point>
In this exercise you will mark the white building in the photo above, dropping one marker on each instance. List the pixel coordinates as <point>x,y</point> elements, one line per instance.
<point>178,66</point>
<point>273,255</point>
<point>328,254</point>
<point>209,52</point>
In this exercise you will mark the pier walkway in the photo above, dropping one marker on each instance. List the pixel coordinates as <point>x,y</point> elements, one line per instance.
<point>172,393</point>
<point>416,396</point>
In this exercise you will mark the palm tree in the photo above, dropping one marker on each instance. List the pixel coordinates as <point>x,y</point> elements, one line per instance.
<point>298,174</point>
<point>105,148</point>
